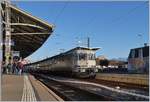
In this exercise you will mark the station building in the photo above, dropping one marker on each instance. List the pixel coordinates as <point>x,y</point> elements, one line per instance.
<point>138,60</point>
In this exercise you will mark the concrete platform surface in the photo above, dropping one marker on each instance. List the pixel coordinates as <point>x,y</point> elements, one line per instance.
<point>42,92</point>
<point>12,87</point>
<point>25,88</point>
<point>139,79</point>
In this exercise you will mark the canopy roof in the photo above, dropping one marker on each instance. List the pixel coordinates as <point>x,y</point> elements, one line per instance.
<point>28,32</point>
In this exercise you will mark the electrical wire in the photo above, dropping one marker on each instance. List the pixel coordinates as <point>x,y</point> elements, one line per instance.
<point>61,11</point>
<point>90,22</point>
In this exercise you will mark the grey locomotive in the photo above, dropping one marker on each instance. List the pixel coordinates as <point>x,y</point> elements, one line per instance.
<point>79,62</point>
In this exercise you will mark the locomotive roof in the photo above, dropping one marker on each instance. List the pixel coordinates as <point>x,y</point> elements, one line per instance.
<point>62,54</point>
<point>81,48</point>
<point>84,48</point>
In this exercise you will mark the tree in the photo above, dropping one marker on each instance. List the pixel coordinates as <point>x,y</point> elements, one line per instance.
<point>104,62</point>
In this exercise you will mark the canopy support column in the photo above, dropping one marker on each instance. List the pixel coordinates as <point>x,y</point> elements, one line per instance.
<point>7,41</point>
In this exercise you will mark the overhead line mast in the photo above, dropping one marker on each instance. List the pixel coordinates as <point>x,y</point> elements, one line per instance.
<point>88,42</point>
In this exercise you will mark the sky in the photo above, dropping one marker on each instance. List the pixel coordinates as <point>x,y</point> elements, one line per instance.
<point>114,26</point>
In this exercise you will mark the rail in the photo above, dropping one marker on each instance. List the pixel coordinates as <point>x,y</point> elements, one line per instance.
<point>85,91</point>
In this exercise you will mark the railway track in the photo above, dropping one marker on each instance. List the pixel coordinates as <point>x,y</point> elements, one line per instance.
<point>72,90</point>
<point>119,85</point>
<point>70,93</point>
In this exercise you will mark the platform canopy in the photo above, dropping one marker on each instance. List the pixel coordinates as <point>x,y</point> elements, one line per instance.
<point>28,33</point>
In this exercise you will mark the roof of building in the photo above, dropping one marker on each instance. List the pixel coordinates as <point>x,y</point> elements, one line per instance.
<point>145,51</point>
<point>27,32</point>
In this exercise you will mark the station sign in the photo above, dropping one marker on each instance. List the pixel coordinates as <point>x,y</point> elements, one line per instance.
<point>15,53</point>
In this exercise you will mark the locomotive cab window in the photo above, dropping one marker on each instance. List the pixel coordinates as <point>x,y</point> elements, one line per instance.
<point>91,56</point>
<point>82,56</point>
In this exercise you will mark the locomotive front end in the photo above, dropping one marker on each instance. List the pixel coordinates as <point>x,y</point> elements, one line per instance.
<point>85,65</point>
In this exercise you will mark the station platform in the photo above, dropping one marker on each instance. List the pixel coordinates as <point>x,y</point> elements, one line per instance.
<point>25,88</point>
<point>138,79</point>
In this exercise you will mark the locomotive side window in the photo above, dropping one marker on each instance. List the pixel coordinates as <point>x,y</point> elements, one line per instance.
<point>75,56</point>
<point>82,56</point>
<point>68,56</point>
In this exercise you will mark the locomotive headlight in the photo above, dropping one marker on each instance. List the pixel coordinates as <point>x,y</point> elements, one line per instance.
<point>96,70</point>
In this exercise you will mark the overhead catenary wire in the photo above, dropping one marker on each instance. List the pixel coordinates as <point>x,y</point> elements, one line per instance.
<point>113,21</point>
<point>129,12</point>
<point>59,14</point>
<point>61,11</point>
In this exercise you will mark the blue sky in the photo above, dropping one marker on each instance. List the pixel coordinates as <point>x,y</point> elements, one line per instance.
<point>113,26</point>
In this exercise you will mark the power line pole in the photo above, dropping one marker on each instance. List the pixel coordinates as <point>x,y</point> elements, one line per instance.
<point>88,42</point>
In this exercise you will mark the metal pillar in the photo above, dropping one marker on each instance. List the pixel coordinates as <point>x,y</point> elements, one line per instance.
<point>1,36</point>
<point>1,46</point>
<point>7,34</point>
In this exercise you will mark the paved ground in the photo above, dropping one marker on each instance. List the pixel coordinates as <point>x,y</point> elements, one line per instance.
<point>12,87</point>
<point>25,88</point>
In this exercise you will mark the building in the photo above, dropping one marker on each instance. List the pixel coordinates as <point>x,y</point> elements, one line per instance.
<point>98,60</point>
<point>138,60</point>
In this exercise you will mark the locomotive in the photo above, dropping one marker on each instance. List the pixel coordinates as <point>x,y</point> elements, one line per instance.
<point>78,62</point>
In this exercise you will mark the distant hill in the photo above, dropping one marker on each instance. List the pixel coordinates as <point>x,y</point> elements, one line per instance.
<point>120,59</point>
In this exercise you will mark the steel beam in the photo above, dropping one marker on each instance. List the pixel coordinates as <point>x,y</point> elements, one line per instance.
<point>25,24</point>
<point>28,33</point>
<point>35,18</point>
